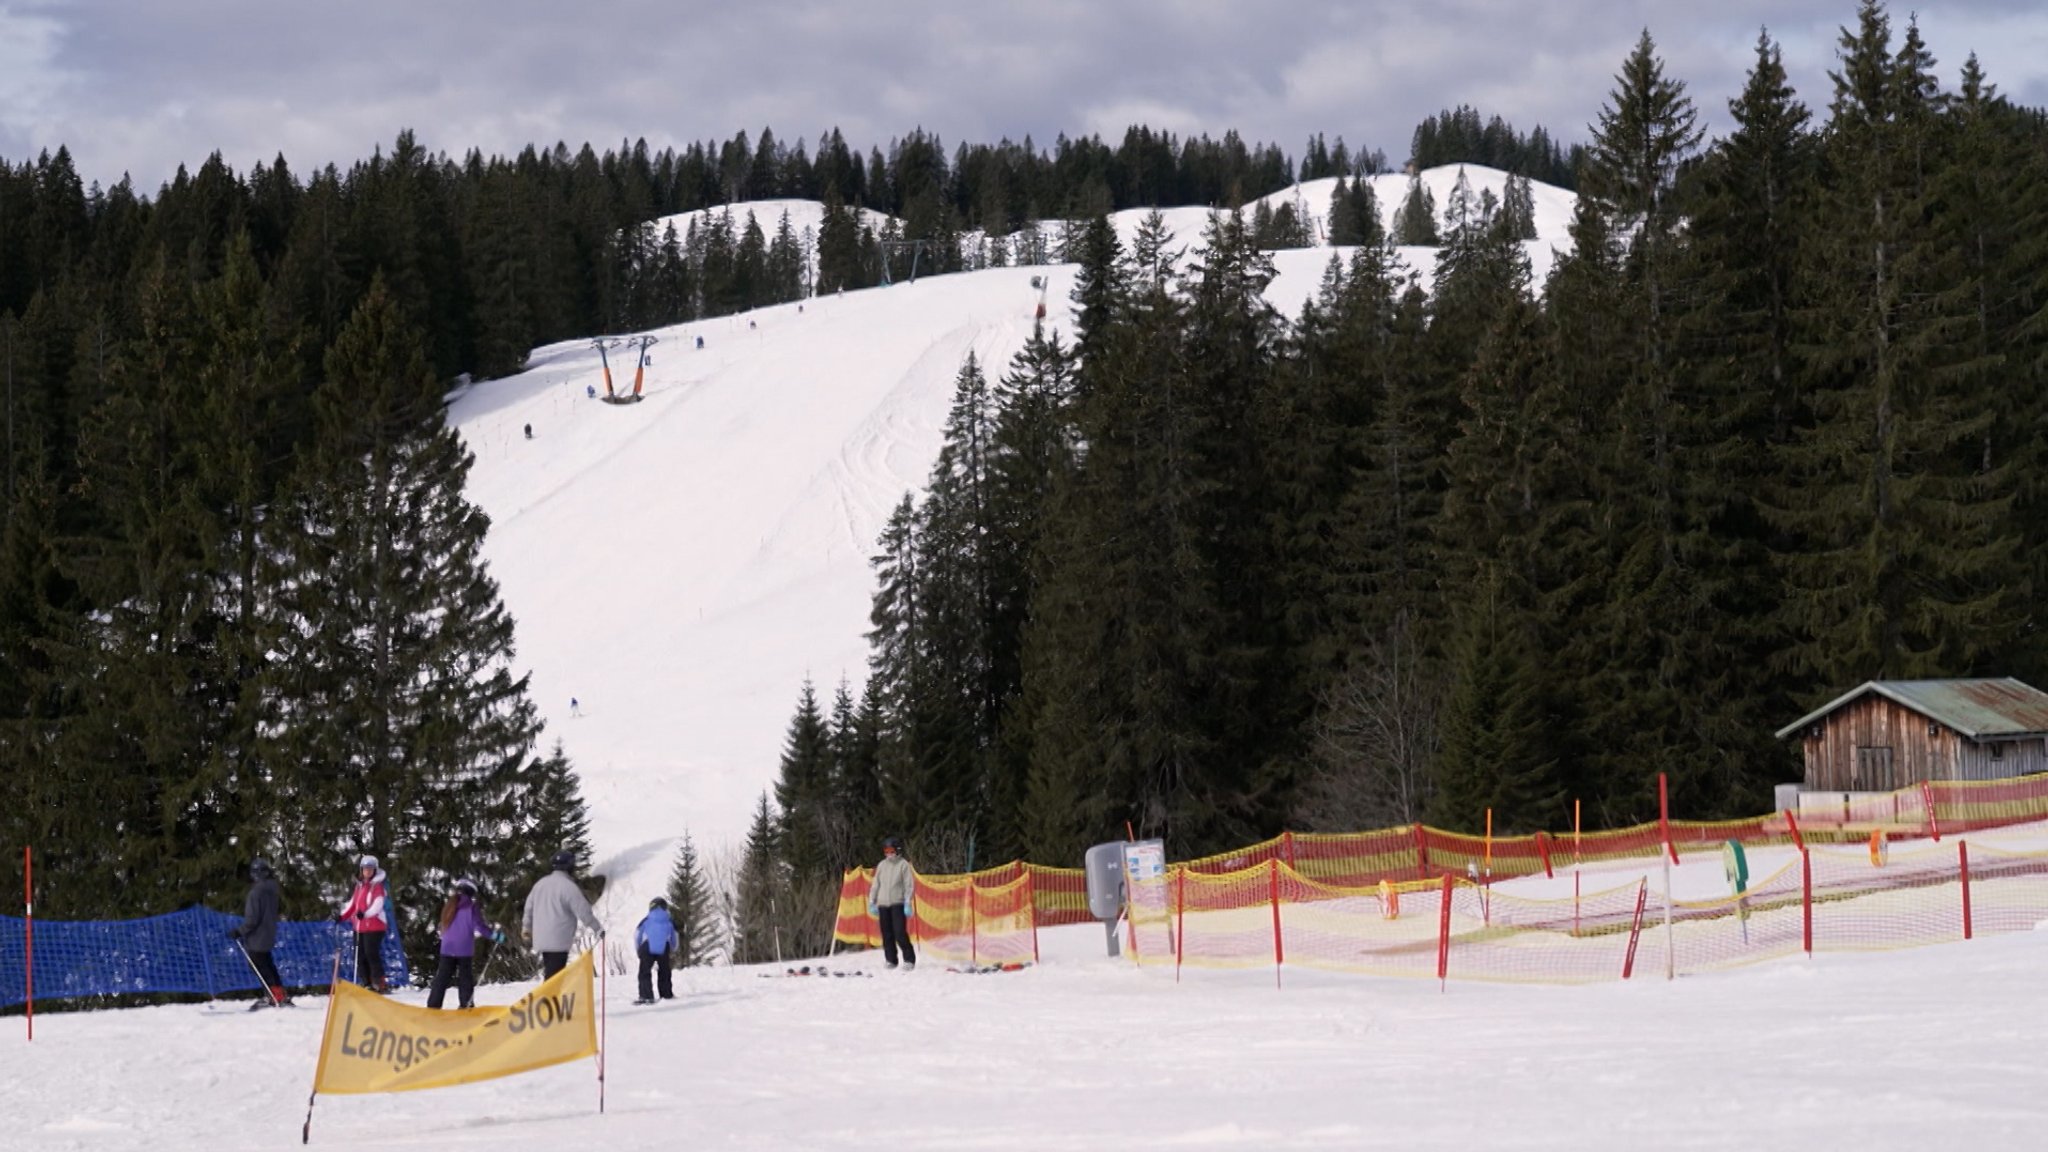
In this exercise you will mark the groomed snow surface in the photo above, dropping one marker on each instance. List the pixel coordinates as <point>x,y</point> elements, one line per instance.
<point>1933,1048</point>
<point>679,566</point>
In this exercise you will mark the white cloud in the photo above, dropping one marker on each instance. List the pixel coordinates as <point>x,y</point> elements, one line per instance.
<point>30,79</point>
<point>146,87</point>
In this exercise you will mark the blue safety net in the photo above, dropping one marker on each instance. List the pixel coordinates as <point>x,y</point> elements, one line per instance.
<point>185,952</point>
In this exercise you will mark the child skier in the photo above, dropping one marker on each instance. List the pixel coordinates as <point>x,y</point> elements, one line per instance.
<point>462,925</point>
<point>656,941</point>
<point>368,911</point>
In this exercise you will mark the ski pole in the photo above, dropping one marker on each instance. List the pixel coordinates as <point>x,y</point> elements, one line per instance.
<point>262,981</point>
<point>496,947</point>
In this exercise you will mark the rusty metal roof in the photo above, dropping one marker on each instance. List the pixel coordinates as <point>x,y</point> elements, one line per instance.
<point>1978,709</point>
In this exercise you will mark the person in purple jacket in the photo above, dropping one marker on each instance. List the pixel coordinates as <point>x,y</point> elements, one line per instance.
<point>462,925</point>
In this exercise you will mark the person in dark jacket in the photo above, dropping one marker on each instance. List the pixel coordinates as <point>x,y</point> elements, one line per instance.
<point>656,942</point>
<point>462,925</point>
<point>257,933</point>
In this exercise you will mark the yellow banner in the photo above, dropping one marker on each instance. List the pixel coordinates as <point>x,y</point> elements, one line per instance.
<point>375,1045</point>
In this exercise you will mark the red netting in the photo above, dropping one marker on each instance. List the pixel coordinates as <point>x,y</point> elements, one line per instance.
<point>1374,901</point>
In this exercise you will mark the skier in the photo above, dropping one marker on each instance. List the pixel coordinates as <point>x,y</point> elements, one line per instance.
<point>889,902</point>
<point>590,390</point>
<point>700,343</point>
<point>552,909</point>
<point>529,431</point>
<point>368,911</point>
<point>257,933</point>
<point>462,925</point>
<point>575,709</point>
<point>656,940</point>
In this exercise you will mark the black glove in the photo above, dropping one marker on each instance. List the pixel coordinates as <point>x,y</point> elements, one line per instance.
<point>234,933</point>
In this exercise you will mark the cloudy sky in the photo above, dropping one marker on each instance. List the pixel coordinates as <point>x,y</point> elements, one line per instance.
<point>140,87</point>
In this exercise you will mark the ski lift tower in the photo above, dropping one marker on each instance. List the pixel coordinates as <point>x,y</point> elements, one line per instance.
<point>639,344</point>
<point>604,345</point>
<point>890,247</point>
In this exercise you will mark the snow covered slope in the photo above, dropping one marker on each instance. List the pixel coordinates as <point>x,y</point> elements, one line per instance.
<point>1894,1052</point>
<point>680,566</point>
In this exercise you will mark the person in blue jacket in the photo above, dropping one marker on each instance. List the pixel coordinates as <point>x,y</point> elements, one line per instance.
<point>656,941</point>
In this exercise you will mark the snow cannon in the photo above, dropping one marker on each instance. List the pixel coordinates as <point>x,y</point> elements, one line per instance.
<point>1104,866</point>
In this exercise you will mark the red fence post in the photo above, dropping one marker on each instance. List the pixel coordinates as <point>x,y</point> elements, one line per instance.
<point>1180,920</point>
<point>1792,822</point>
<point>1963,854</point>
<point>973,923</point>
<point>1927,797</point>
<point>1443,931</point>
<point>1806,899</point>
<point>1287,847</point>
<point>28,905</point>
<point>1635,929</point>
<point>1664,817</point>
<point>1421,853</point>
<point>1278,957</point>
<point>1543,850</point>
<point>1031,901</point>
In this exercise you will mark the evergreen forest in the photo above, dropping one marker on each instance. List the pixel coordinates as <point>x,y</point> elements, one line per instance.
<point>1428,549</point>
<point>1431,550</point>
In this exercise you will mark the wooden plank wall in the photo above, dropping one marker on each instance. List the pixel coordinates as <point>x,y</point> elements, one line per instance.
<point>1916,753</point>
<point>1876,722</point>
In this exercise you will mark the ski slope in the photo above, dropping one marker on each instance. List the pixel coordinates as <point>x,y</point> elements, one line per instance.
<point>1886,1052</point>
<point>680,566</point>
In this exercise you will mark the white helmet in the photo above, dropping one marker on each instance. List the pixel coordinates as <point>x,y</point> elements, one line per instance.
<point>367,862</point>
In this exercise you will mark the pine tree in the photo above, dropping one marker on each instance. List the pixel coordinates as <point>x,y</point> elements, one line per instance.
<point>812,841</point>
<point>1495,754</point>
<point>1415,220</point>
<point>394,722</point>
<point>693,907</point>
<point>1907,557</point>
<point>754,922</point>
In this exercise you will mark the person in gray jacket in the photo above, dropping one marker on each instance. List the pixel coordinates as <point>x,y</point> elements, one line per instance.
<point>889,902</point>
<point>257,933</point>
<point>553,909</point>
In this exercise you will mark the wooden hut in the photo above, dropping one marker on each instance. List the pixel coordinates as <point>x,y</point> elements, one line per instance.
<point>1891,734</point>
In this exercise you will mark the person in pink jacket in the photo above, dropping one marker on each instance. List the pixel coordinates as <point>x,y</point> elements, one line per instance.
<point>368,911</point>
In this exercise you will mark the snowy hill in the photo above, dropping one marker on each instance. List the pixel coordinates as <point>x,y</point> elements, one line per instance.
<point>1892,1052</point>
<point>679,566</point>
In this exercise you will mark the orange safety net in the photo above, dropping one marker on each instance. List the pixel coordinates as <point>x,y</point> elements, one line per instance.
<point>987,917</point>
<point>1375,901</point>
<point>1828,900</point>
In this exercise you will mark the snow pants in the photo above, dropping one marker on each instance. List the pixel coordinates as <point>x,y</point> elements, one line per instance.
<point>266,970</point>
<point>458,970</point>
<point>651,963</point>
<point>370,961</point>
<point>895,935</point>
